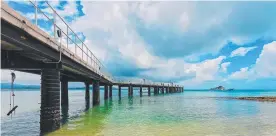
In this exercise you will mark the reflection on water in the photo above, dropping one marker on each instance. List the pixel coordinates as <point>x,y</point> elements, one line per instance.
<point>188,113</point>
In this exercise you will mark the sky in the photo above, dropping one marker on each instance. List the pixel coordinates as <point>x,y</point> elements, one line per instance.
<point>197,44</point>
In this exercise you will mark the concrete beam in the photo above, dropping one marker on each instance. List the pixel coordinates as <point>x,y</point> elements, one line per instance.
<point>13,60</point>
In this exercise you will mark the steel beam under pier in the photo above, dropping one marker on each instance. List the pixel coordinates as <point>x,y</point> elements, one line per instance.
<point>105,92</point>
<point>96,93</point>
<point>50,100</point>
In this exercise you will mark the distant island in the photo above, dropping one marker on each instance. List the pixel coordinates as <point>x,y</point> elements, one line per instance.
<point>221,88</point>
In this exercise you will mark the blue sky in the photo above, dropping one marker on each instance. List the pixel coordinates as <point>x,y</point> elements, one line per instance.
<point>196,44</point>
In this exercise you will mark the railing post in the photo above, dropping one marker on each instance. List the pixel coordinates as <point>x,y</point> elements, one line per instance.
<point>82,51</point>
<point>67,35</point>
<point>55,24</point>
<point>35,12</point>
<point>75,45</point>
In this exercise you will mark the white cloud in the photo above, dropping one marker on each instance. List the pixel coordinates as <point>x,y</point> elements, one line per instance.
<point>243,73</point>
<point>207,26</point>
<point>207,70</point>
<point>113,32</point>
<point>266,63</point>
<point>161,13</point>
<point>54,3</point>
<point>70,9</point>
<point>242,51</point>
<point>224,66</point>
<point>263,68</point>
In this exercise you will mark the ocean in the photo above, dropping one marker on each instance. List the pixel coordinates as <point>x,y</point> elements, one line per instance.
<point>191,113</point>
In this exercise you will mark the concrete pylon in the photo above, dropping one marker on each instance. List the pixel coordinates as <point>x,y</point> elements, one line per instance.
<point>110,91</point>
<point>119,92</point>
<point>96,93</point>
<point>50,100</point>
<point>105,92</point>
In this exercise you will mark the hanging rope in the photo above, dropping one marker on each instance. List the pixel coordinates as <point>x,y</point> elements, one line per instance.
<point>12,94</point>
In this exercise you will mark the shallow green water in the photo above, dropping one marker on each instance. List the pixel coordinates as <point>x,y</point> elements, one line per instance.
<point>189,113</point>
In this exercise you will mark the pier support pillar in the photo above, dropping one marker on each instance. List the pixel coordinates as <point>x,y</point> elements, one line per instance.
<point>64,93</point>
<point>87,95</point>
<point>130,90</point>
<point>162,90</point>
<point>110,91</point>
<point>119,91</point>
<point>155,89</point>
<point>149,91</point>
<point>105,92</point>
<point>141,89</point>
<point>50,100</point>
<point>96,93</point>
<point>167,89</point>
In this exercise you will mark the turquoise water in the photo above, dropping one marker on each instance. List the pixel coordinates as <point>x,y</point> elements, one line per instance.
<point>189,113</point>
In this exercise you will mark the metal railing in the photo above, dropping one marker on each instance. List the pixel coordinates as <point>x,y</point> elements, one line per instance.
<point>69,39</point>
<point>143,82</point>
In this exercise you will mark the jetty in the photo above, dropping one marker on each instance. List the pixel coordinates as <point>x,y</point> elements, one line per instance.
<point>60,56</point>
